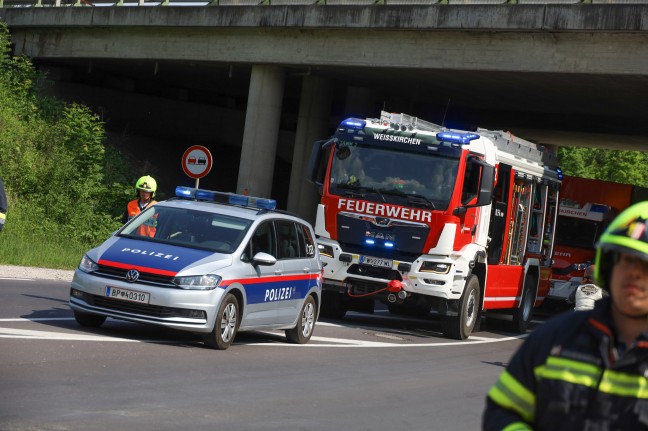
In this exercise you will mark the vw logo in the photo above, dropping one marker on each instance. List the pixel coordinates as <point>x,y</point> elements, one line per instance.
<point>132,276</point>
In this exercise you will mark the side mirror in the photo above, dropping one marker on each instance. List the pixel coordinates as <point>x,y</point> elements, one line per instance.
<point>262,258</point>
<point>486,186</point>
<point>316,163</point>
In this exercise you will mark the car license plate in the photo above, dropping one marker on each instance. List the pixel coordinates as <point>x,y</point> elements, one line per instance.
<point>376,261</point>
<point>127,295</point>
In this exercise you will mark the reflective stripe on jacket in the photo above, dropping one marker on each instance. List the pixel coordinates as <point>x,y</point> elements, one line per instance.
<point>568,375</point>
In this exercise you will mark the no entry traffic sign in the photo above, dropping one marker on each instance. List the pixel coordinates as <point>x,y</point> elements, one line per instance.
<point>197,161</point>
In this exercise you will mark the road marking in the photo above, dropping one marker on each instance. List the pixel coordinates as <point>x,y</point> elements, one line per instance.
<point>46,335</point>
<point>323,341</point>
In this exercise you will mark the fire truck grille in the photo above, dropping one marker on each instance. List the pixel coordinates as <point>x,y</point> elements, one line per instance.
<point>374,272</point>
<point>362,287</point>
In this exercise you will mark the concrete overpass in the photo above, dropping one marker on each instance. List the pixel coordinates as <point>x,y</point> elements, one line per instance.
<point>272,79</point>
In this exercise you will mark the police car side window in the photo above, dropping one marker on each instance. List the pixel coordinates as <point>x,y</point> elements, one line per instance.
<point>306,242</point>
<point>288,241</point>
<point>263,240</point>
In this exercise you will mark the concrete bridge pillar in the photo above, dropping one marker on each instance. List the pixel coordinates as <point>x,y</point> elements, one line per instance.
<point>312,125</point>
<point>261,130</point>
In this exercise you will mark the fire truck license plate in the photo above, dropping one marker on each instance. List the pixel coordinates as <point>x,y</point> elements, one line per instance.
<point>127,295</point>
<point>376,261</point>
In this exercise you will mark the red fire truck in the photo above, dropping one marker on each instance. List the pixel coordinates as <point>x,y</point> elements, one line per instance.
<point>586,208</point>
<point>424,218</point>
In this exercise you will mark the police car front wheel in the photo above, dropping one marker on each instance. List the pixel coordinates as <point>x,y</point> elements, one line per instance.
<point>226,325</point>
<point>301,333</point>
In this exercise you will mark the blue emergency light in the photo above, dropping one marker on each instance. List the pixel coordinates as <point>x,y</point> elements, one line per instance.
<point>600,208</point>
<point>559,172</point>
<point>354,123</point>
<point>457,137</point>
<point>225,198</point>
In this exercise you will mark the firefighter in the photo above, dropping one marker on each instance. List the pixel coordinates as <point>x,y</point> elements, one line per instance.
<point>3,205</point>
<point>145,189</point>
<point>587,293</point>
<point>587,370</point>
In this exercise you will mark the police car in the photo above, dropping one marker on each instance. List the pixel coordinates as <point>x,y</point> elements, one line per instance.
<point>208,262</point>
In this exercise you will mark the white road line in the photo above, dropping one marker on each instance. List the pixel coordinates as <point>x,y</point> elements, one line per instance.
<point>324,341</point>
<point>46,335</point>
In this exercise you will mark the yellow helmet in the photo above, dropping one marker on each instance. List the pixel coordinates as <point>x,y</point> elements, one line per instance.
<point>147,184</point>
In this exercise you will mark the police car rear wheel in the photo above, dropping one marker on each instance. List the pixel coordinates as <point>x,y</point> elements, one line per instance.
<point>91,320</point>
<point>301,333</point>
<point>226,325</point>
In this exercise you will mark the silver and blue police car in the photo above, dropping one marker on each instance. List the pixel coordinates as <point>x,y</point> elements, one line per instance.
<point>208,262</point>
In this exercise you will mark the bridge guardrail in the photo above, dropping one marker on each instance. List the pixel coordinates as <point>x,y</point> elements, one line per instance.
<point>150,3</point>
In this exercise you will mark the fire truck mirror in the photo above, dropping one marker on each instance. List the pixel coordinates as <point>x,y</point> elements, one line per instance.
<point>459,211</point>
<point>486,187</point>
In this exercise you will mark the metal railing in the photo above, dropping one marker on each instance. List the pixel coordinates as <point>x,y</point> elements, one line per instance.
<point>148,3</point>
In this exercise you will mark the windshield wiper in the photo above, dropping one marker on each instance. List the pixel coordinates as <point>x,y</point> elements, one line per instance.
<point>413,198</point>
<point>359,191</point>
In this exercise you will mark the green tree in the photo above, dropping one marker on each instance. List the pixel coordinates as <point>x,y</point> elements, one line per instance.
<point>627,167</point>
<point>66,188</point>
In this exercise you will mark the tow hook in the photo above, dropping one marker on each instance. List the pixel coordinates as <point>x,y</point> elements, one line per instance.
<point>396,292</point>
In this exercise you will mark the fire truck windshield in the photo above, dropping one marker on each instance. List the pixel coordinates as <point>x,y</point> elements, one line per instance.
<point>573,232</point>
<point>402,178</point>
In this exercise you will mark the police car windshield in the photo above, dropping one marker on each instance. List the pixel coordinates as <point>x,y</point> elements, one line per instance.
<point>401,178</point>
<point>187,227</point>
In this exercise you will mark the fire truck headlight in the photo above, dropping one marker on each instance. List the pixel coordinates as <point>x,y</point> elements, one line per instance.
<point>325,250</point>
<point>436,267</point>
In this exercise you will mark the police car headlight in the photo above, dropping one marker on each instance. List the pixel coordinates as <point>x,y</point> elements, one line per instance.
<point>436,267</point>
<point>198,282</point>
<point>87,264</point>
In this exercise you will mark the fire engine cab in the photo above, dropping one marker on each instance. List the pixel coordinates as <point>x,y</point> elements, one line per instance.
<point>425,218</point>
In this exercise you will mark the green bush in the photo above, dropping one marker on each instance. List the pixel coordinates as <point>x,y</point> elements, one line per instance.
<point>66,189</point>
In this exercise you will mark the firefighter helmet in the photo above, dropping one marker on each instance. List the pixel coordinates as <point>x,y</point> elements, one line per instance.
<point>628,233</point>
<point>147,184</point>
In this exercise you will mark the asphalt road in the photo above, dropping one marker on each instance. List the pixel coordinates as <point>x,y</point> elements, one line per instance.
<point>366,372</point>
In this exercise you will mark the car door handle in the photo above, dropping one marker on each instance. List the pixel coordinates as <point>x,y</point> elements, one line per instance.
<point>278,272</point>
<point>307,270</point>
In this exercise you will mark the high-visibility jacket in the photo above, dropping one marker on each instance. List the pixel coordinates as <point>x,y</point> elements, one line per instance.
<point>573,374</point>
<point>133,208</point>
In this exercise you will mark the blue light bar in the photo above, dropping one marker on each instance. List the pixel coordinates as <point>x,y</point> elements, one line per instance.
<point>370,241</point>
<point>185,192</point>
<point>457,137</point>
<point>354,123</point>
<point>389,244</point>
<point>227,198</point>
<point>600,208</point>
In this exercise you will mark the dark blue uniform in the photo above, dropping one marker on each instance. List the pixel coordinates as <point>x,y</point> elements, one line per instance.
<point>573,373</point>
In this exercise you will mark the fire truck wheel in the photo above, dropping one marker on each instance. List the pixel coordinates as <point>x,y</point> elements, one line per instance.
<point>333,306</point>
<point>460,327</point>
<point>226,325</point>
<point>522,314</point>
<point>301,333</point>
